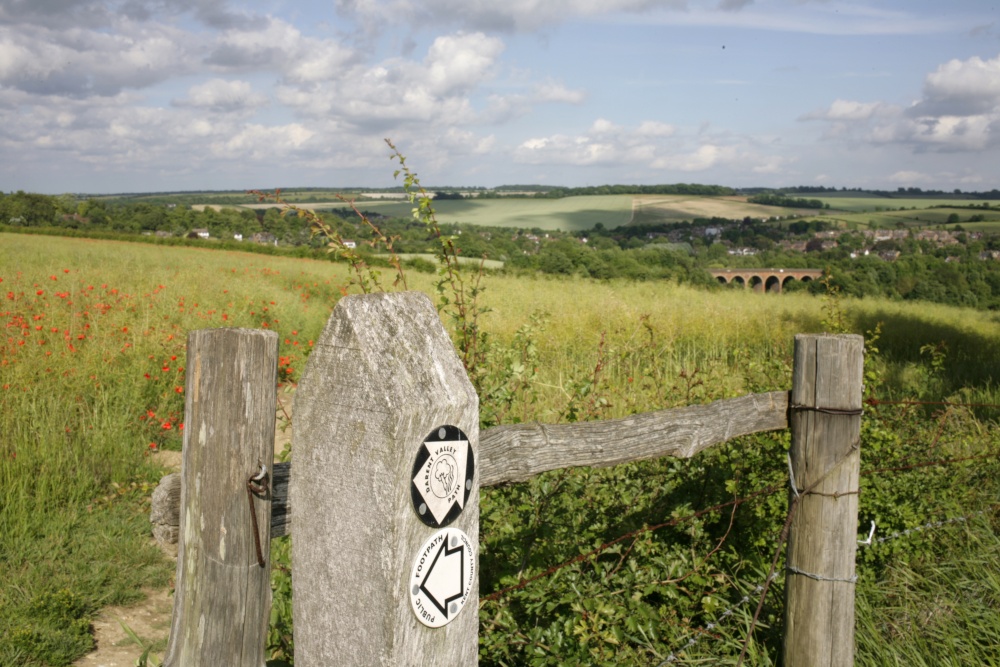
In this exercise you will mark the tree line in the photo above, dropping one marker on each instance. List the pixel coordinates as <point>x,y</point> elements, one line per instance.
<point>678,251</point>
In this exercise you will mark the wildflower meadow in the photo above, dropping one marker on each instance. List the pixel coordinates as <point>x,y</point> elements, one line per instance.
<point>625,565</point>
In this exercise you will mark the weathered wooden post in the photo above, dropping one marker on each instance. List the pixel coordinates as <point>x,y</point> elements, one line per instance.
<point>222,598</point>
<point>384,491</point>
<point>825,419</point>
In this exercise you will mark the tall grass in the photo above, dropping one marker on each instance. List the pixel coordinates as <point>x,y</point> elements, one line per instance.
<point>935,611</point>
<point>91,386</point>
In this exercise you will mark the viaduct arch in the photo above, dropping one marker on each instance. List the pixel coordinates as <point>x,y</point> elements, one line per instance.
<point>764,280</point>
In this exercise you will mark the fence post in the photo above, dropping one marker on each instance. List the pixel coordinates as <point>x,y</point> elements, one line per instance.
<point>825,421</point>
<point>385,456</point>
<point>222,597</point>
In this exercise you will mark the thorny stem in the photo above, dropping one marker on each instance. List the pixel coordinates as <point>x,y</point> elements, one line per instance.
<point>460,299</point>
<point>366,277</point>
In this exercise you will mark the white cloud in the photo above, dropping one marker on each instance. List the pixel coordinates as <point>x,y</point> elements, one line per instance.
<point>819,18</point>
<point>652,128</point>
<point>569,150</point>
<point>458,63</point>
<point>490,15</point>
<point>961,88</point>
<point>551,91</point>
<point>320,78</point>
<point>847,110</point>
<point>222,95</point>
<point>463,142</point>
<point>604,126</point>
<point>959,111</point>
<point>436,90</point>
<point>93,14</point>
<point>319,60</point>
<point>909,177</point>
<point>116,135</point>
<point>704,157</point>
<point>84,62</point>
<point>273,45</point>
<point>772,164</point>
<point>254,141</point>
<point>943,133</point>
<point>651,145</point>
<point>56,13</point>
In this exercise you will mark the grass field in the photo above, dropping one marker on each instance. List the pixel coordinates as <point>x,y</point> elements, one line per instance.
<point>491,264</point>
<point>92,376</point>
<point>582,213</point>
<point>918,218</point>
<point>577,213</point>
<point>568,213</point>
<point>862,204</point>
<point>652,209</point>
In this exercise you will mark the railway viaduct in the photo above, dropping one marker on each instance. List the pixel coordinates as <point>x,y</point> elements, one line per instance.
<point>761,280</point>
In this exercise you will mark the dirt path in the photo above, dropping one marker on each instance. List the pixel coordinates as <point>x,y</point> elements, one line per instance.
<point>149,620</point>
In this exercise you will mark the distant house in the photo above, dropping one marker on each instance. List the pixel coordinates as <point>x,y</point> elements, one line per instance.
<point>795,246</point>
<point>889,255</point>
<point>198,234</point>
<point>265,238</point>
<point>885,234</point>
<point>348,243</point>
<point>940,238</point>
<point>162,235</point>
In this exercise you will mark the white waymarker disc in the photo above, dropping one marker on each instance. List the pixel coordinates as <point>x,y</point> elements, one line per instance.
<point>442,577</point>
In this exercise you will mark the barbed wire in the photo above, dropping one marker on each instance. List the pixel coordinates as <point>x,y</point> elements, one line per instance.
<point>680,520</point>
<point>793,504</point>
<point>870,542</point>
<point>875,402</point>
<point>732,503</point>
<point>927,464</point>
<point>707,629</point>
<point>763,587</point>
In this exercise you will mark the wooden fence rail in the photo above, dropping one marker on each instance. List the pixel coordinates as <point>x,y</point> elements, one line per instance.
<point>517,452</point>
<point>384,492</point>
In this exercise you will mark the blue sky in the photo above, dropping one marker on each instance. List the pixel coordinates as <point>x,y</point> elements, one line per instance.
<point>109,96</point>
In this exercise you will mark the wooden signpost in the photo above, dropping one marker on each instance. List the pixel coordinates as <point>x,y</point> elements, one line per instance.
<point>385,491</point>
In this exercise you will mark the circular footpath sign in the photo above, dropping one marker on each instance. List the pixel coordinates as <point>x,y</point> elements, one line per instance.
<point>442,578</point>
<point>442,476</point>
